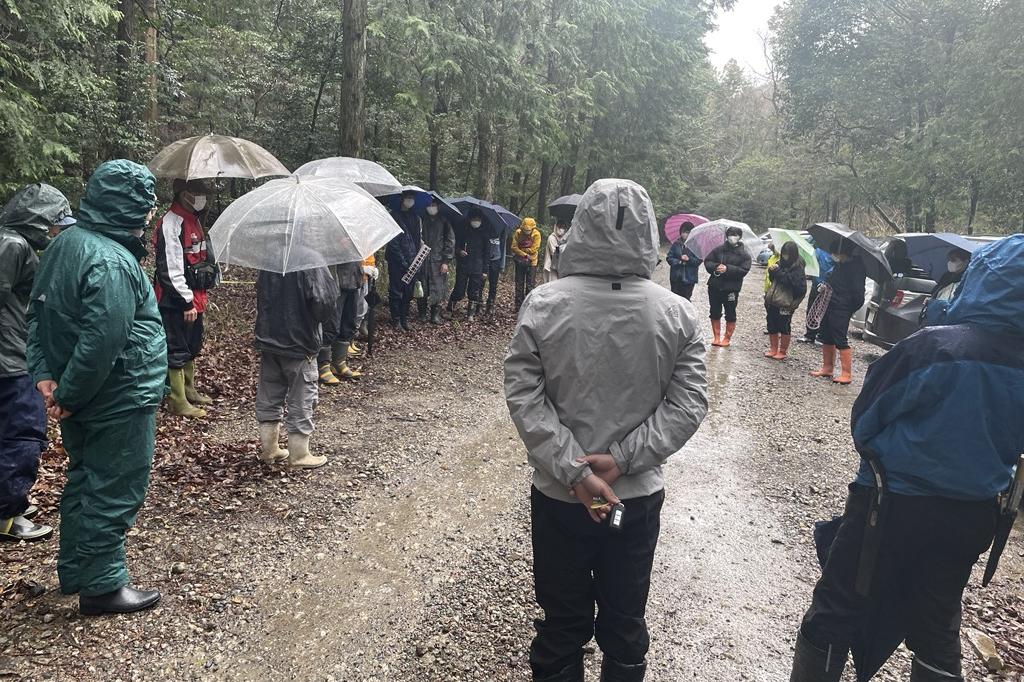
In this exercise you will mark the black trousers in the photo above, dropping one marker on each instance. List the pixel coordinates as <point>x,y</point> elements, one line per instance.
<point>779,321</point>
<point>22,439</point>
<point>681,289</point>
<point>811,334</point>
<point>835,328</point>
<point>928,547</point>
<point>494,269</point>
<point>399,296</point>
<point>184,340</point>
<point>720,300</point>
<point>578,564</point>
<point>524,281</point>
<point>466,283</point>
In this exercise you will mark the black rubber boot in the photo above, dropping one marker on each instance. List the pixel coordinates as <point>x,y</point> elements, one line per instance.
<point>921,671</point>
<point>435,314</point>
<point>570,673</point>
<point>404,318</point>
<point>811,664</point>
<point>471,311</point>
<point>421,305</point>
<point>122,600</point>
<point>613,671</point>
<point>490,306</point>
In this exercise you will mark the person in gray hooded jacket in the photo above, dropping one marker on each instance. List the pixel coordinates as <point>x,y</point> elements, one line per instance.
<point>605,380</point>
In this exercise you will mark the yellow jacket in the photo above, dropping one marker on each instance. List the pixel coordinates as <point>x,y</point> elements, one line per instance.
<point>526,242</point>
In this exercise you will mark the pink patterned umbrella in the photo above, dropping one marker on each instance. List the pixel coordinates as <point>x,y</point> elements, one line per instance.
<point>673,224</point>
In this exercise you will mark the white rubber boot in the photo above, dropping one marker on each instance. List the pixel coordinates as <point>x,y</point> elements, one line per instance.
<point>299,455</point>
<point>270,433</point>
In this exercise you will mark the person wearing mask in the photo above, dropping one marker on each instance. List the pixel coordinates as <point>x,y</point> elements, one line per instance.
<point>34,215</point>
<point>555,246</point>
<point>526,249</point>
<point>439,235</point>
<point>334,355</point>
<point>939,415</point>
<point>684,264</point>
<point>185,270</point>
<point>495,263</point>
<point>401,252</point>
<point>592,444</point>
<point>787,288</point>
<point>727,264</point>
<point>846,281</point>
<point>956,263</point>
<point>824,267</point>
<point>473,251</point>
<point>295,312</point>
<point>98,355</point>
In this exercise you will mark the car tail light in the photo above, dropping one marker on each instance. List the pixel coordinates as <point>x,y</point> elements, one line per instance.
<point>903,298</point>
<point>897,299</point>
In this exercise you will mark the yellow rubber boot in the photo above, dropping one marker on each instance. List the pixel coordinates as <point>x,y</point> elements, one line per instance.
<point>194,396</point>
<point>327,377</point>
<point>177,403</point>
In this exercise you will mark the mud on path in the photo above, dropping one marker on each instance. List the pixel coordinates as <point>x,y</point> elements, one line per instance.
<point>408,557</point>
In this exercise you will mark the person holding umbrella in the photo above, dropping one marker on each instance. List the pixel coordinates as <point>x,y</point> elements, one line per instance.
<point>98,355</point>
<point>939,431</point>
<point>556,243</point>
<point>439,235</point>
<point>526,248</point>
<point>400,254</point>
<point>845,282</point>
<point>472,250</point>
<point>184,273</point>
<point>727,264</point>
<point>787,288</point>
<point>684,264</point>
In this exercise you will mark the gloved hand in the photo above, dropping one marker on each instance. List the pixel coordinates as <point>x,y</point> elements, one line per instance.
<point>371,271</point>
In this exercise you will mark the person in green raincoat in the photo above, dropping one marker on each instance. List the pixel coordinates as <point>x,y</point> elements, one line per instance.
<point>98,354</point>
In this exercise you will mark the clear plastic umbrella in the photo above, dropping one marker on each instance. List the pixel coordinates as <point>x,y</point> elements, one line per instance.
<point>215,156</point>
<point>371,176</point>
<point>707,237</point>
<point>301,223</point>
<point>780,237</point>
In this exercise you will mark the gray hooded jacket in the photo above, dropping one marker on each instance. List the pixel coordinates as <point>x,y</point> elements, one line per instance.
<point>604,360</point>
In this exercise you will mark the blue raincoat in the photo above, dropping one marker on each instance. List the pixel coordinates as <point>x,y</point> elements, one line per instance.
<point>943,408</point>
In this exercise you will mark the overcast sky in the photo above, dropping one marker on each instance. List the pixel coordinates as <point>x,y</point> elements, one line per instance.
<point>737,34</point>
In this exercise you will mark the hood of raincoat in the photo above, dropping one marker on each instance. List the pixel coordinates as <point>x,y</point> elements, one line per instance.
<point>614,233</point>
<point>33,210</point>
<point>991,293</point>
<point>529,224</point>
<point>119,196</point>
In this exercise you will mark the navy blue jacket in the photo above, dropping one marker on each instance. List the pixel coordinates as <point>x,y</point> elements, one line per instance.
<point>687,272</point>
<point>403,248</point>
<point>943,409</point>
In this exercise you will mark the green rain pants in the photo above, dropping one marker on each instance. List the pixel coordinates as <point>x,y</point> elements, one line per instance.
<point>108,474</point>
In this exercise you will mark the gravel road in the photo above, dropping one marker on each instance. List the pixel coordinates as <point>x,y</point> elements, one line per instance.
<point>408,557</point>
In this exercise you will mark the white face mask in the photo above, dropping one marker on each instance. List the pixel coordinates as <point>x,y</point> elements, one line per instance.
<point>562,231</point>
<point>199,202</point>
<point>955,266</point>
<point>408,203</point>
<point>734,240</point>
<point>475,224</point>
<point>432,210</point>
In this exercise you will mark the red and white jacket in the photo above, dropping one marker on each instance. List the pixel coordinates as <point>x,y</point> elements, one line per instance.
<point>177,239</point>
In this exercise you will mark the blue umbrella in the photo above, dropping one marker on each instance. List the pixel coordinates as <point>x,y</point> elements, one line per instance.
<point>423,198</point>
<point>929,252</point>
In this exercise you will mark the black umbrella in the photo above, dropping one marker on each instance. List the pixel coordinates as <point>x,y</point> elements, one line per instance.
<point>829,236</point>
<point>564,208</point>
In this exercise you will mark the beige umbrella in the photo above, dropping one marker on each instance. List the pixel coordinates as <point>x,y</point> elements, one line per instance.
<point>215,156</point>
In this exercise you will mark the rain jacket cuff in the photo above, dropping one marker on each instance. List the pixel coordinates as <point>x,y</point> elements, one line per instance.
<point>620,458</point>
<point>580,474</point>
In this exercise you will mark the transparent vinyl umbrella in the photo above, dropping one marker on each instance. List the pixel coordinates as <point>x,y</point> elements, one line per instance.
<point>215,156</point>
<point>298,223</point>
<point>371,176</point>
<point>707,237</point>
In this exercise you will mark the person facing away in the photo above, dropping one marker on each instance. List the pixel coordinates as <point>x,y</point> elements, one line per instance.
<point>604,380</point>
<point>400,253</point>
<point>727,264</point>
<point>98,355</point>
<point>825,265</point>
<point>941,413</point>
<point>27,224</point>
<point>295,312</point>
<point>472,250</point>
<point>846,280</point>
<point>439,235</point>
<point>181,281</point>
<point>526,249</point>
<point>787,288</point>
<point>684,263</point>
<point>553,250</point>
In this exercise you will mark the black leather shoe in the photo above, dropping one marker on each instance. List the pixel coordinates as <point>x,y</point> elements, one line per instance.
<point>125,599</point>
<point>613,671</point>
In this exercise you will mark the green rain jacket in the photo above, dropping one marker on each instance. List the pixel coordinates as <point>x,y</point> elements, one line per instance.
<point>94,327</point>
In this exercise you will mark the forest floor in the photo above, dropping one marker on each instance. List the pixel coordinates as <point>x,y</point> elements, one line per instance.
<point>408,556</point>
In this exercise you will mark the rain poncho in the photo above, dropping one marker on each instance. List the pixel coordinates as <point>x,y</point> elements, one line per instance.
<point>602,326</point>
<point>942,408</point>
<point>24,224</point>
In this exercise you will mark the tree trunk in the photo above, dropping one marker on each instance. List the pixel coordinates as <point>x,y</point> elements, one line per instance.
<point>972,211</point>
<point>125,49</point>
<point>542,190</point>
<point>486,168</point>
<point>353,90</point>
<point>152,111</point>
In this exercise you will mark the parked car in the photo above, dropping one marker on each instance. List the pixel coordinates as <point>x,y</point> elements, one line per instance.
<point>894,310</point>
